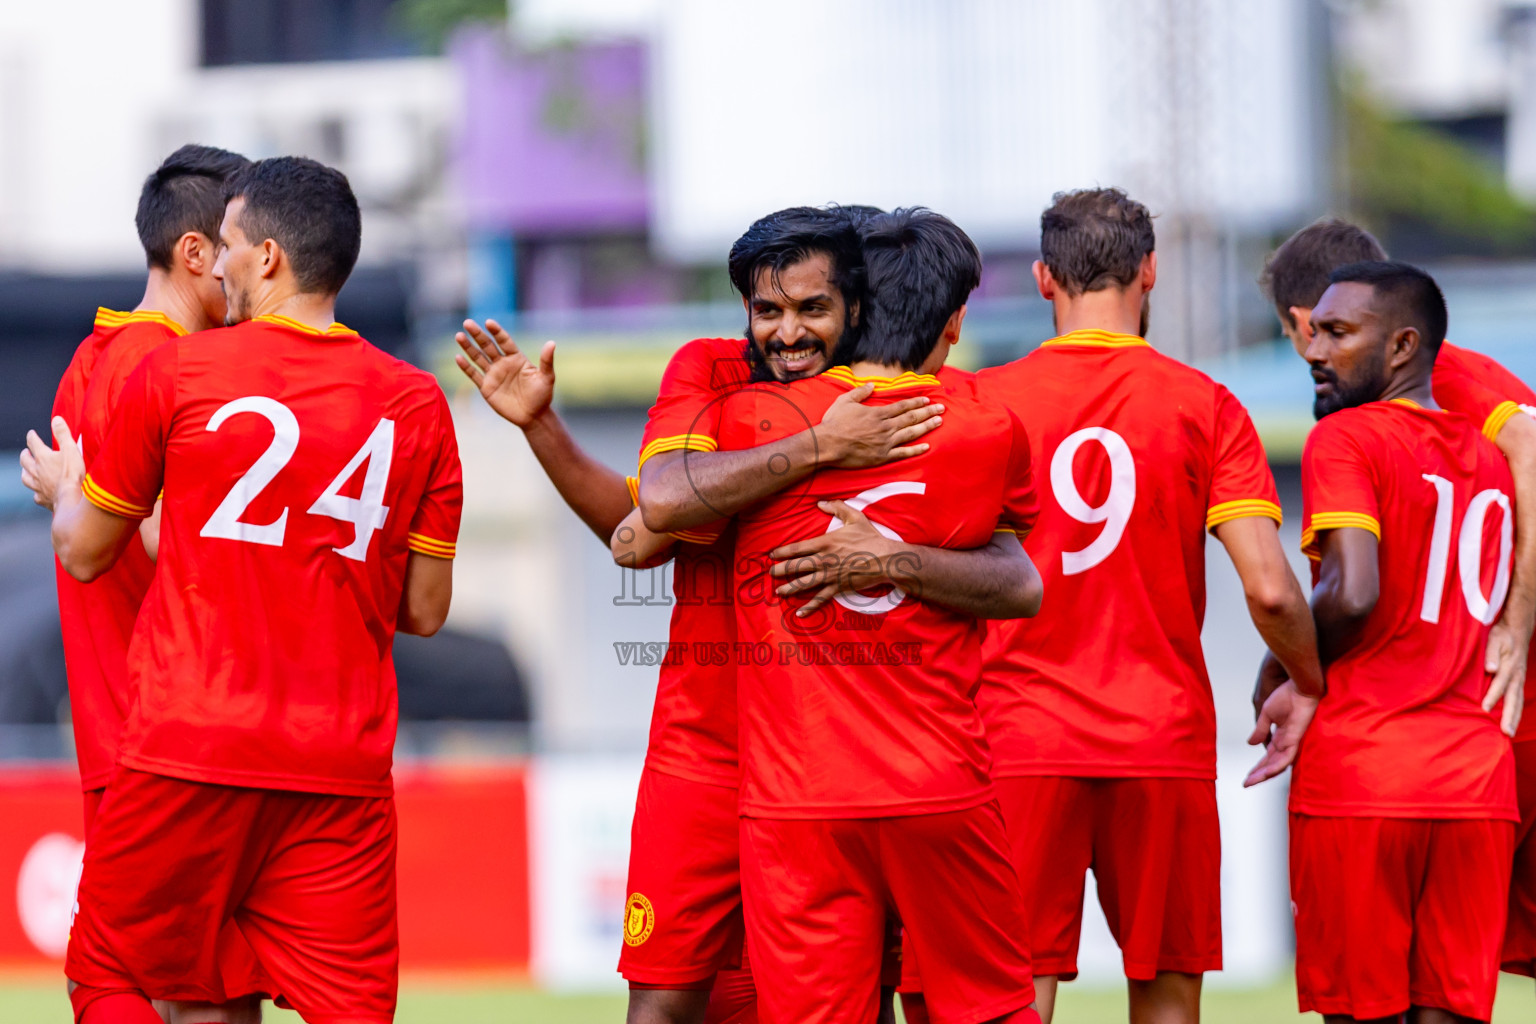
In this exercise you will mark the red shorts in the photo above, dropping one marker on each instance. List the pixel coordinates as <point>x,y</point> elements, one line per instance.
<point>819,894</point>
<point>682,921</point>
<point>1398,912</point>
<point>1155,849</point>
<point>1520,934</point>
<point>307,879</point>
<point>238,969</point>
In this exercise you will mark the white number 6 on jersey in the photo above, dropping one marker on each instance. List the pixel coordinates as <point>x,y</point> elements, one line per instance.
<point>885,602</point>
<point>1116,510</point>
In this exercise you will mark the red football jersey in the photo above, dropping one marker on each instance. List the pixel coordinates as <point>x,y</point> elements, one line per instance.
<point>97,618</point>
<point>299,468</point>
<point>1145,454</point>
<point>1401,732</point>
<point>693,724</point>
<point>1479,388</point>
<point>864,709</point>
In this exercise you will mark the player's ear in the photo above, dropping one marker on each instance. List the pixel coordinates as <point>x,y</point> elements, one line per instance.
<point>195,252</point>
<point>1404,347</point>
<point>853,314</point>
<point>1148,271</point>
<point>1044,281</point>
<point>271,256</point>
<point>951,333</point>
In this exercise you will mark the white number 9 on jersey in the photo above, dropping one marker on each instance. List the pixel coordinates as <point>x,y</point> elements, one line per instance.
<point>1115,513</point>
<point>365,513</point>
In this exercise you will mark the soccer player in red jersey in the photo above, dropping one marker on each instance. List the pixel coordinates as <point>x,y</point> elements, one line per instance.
<point>1403,797</point>
<point>864,788</point>
<point>799,271</point>
<point>1099,710</point>
<point>178,216</point>
<point>1469,383</point>
<point>311,504</point>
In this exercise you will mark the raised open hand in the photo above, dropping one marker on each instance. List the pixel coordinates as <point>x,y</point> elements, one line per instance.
<point>512,384</point>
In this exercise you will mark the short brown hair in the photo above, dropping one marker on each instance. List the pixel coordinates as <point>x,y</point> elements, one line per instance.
<point>1296,274</point>
<point>1093,238</point>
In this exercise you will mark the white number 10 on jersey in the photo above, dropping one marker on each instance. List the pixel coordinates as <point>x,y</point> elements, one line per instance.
<point>365,513</point>
<point>1115,513</point>
<point>1469,553</point>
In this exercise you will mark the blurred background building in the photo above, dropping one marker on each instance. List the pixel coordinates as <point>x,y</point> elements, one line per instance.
<point>579,168</point>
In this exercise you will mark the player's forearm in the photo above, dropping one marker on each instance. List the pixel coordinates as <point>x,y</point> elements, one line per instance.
<point>87,540</point>
<point>597,494</point>
<point>426,595</point>
<point>1276,604</point>
<point>1517,440</point>
<point>996,581</point>
<point>635,547</point>
<point>1348,587</point>
<point>681,490</point>
<point>1291,635</point>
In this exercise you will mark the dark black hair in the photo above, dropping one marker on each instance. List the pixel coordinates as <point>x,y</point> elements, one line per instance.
<point>922,268</point>
<point>1412,298</point>
<point>1093,238</point>
<point>309,210</point>
<point>786,237</point>
<point>185,193</point>
<point>1297,273</point>
<point>858,214</point>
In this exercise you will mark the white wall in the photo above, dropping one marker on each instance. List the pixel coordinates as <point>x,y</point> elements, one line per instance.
<point>979,108</point>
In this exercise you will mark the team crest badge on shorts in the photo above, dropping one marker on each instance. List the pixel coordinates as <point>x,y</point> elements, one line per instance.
<point>639,919</point>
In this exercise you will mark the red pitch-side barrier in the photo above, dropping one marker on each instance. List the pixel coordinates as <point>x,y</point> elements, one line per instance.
<point>463,869</point>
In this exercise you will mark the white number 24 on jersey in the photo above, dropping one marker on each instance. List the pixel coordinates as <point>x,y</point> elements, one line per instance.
<point>366,513</point>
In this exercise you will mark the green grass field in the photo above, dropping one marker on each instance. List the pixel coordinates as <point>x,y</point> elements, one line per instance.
<point>472,1003</point>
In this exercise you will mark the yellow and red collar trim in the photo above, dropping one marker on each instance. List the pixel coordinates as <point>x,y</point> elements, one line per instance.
<point>906,379</point>
<point>1324,521</point>
<point>334,331</point>
<point>111,319</point>
<point>1099,339</point>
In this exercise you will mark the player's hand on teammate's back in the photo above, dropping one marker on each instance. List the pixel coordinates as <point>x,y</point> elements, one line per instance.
<point>1506,661</point>
<point>853,556</point>
<point>1287,712</point>
<point>853,435</point>
<point>47,471</point>
<point>511,383</point>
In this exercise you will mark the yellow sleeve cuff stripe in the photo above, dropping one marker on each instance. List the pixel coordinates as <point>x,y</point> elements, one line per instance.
<point>424,545</point>
<point>682,442</point>
<point>1000,528</point>
<point>109,502</point>
<point>633,483</point>
<point>697,536</point>
<point>1229,510</point>
<point>1496,419</point>
<point>1332,521</point>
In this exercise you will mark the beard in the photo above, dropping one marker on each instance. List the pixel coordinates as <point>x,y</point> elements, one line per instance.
<point>763,369</point>
<point>236,306</point>
<point>1366,386</point>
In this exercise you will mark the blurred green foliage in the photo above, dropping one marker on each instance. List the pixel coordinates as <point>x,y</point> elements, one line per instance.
<point>433,21</point>
<point>1405,177</point>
